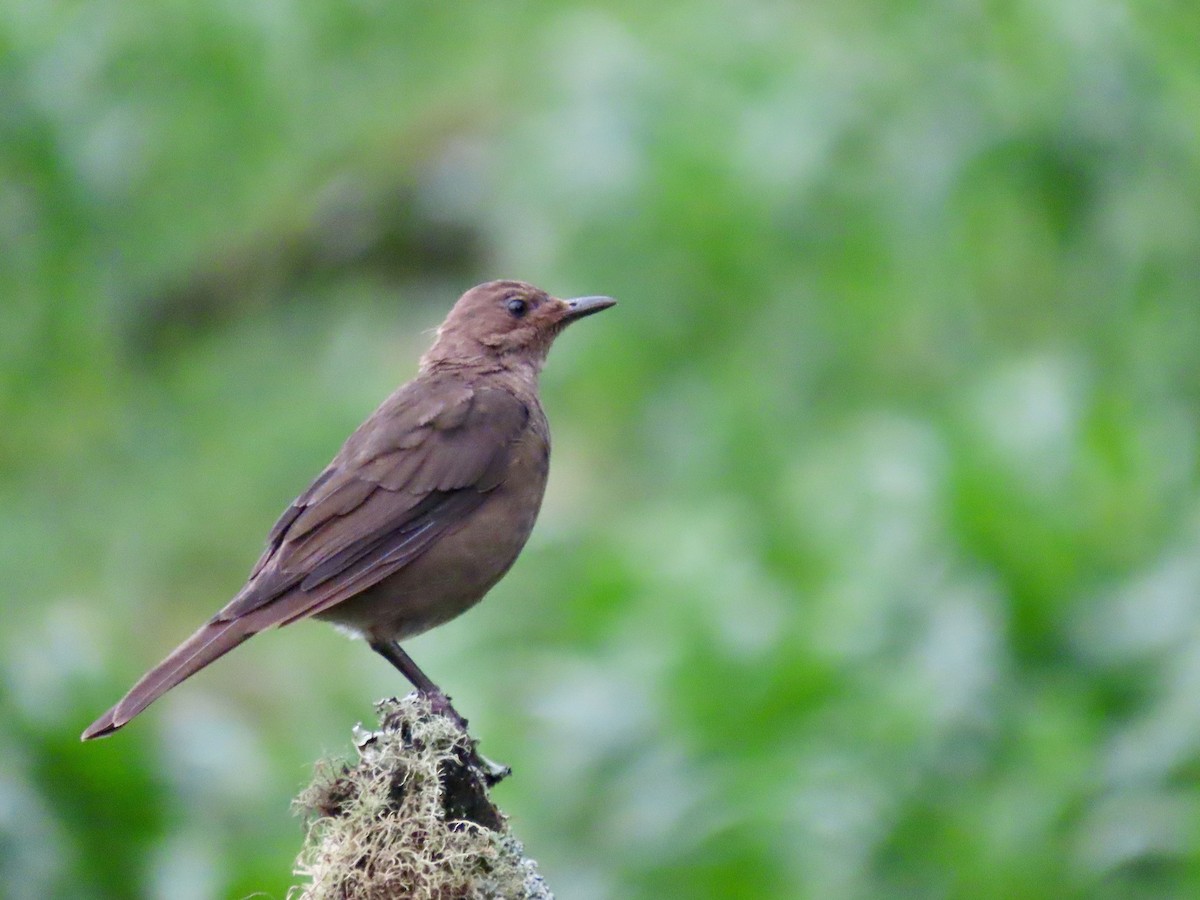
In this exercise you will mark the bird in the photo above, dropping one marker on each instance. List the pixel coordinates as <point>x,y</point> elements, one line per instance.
<point>421,512</point>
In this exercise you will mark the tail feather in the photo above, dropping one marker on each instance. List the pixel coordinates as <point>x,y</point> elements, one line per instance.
<point>213,640</point>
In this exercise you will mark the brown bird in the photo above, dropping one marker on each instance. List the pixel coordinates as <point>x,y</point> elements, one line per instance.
<point>421,512</point>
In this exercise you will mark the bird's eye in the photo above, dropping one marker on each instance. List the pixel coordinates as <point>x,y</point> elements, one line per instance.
<point>517,307</point>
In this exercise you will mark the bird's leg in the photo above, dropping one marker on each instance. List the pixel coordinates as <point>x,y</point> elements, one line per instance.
<point>393,653</point>
<point>493,772</point>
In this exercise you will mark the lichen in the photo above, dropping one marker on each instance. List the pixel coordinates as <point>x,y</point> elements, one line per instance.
<point>411,818</point>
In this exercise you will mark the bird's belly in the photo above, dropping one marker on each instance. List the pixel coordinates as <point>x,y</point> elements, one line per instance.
<point>458,569</point>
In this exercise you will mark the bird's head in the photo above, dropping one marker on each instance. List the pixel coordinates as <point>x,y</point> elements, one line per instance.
<point>509,323</point>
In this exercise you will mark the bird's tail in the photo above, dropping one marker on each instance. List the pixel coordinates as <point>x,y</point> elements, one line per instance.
<point>213,640</point>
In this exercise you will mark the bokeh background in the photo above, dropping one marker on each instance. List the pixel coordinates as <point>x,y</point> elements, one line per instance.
<point>870,564</point>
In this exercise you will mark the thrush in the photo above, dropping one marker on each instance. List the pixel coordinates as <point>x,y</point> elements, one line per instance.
<point>421,512</point>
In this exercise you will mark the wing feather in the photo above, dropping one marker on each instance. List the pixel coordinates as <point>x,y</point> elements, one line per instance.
<point>413,471</point>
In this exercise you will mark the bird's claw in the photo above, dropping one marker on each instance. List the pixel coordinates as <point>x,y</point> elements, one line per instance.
<point>493,772</point>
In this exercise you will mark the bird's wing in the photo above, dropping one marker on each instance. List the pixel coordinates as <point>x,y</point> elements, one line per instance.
<point>415,470</point>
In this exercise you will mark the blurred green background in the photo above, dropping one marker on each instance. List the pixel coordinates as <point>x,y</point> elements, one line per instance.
<point>870,563</point>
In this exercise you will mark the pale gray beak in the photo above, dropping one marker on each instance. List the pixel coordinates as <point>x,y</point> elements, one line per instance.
<point>585,306</point>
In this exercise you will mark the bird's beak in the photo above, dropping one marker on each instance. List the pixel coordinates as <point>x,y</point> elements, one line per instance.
<point>585,306</point>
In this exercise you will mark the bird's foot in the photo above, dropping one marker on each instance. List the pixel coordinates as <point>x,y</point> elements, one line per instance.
<point>493,772</point>
<point>441,706</point>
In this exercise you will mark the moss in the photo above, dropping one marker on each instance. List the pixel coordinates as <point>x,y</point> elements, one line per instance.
<point>411,818</point>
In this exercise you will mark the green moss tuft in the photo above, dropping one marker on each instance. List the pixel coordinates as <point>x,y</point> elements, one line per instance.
<point>411,818</point>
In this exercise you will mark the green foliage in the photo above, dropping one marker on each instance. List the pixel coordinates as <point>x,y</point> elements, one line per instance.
<point>868,566</point>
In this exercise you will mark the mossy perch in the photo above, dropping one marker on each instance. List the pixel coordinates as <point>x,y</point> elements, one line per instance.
<point>412,818</point>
